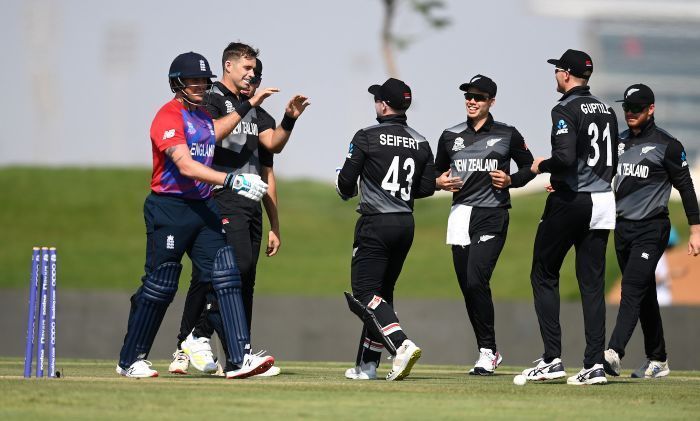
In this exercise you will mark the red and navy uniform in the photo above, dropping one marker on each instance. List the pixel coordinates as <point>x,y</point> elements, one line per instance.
<point>176,125</point>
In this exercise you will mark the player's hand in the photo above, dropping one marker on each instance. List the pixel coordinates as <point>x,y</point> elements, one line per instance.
<point>535,168</point>
<point>500,179</point>
<point>296,106</point>
<point>548,188</point>
<point>694,240</point>
<point>261,95</point>
<point>273,243</point>
<point>448,183</point>
<point>247,185</point>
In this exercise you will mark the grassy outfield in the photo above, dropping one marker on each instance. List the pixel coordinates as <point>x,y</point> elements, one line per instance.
<point>94,217</point>
<point>91,390</point>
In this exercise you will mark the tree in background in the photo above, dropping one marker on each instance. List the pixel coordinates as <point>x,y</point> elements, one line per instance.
<point>391,41</point>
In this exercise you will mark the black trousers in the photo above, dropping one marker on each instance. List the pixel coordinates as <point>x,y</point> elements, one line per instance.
<point>242,225</point>
<point>639,246</point>
<point>566,223</point>
<point>474,265</point>
<point>380,248</point>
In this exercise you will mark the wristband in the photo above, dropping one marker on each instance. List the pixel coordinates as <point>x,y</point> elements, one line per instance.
<point>288,123</point>
<point>243,108</point>
<point>228,181</point>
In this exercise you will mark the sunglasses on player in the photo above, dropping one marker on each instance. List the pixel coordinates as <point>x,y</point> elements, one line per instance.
<point>476,97</point>
<point>633,108</point>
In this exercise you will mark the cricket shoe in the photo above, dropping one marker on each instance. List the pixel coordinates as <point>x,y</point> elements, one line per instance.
<point>612,363</point>
<point>364,371</point>
<point>651,370</point>
<point>180,364</point>
<point>139,369</point>
<point>253,364</point>
<point>545,371</point>
<point>486,364</point>
<point>593,375</point>
<point>406,356</point>
<point>199,351</point>
<point>271,372</point>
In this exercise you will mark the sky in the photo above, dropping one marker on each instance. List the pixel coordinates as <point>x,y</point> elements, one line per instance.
<point>83,79</point>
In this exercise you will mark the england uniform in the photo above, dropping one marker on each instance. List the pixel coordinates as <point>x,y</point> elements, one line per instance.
<point>478,222</point>
<point>578,213</point>
<point>394,164</point>
<point>650,163</point>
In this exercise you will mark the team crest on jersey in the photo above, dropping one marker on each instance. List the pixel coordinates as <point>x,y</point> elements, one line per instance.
<point>620,149</point>
<point>492,142</point>
<point>170,242</point>
<point>458,145</point>
<point>229,107</point>
<point>562,128</point>
<point>647,149</point>
<point>190,128</point>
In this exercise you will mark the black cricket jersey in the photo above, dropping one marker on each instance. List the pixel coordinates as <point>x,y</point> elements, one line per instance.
<point>584,135</point>
<point>240,152</point>
<point>649,163</point>
<point>394,164</point>
<point>471,155</point>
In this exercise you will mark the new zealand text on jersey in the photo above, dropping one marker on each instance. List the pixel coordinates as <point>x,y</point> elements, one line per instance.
<point>393,140</point>
<point>475,164</point>
<point>246,127</point>
<point>633,170</point>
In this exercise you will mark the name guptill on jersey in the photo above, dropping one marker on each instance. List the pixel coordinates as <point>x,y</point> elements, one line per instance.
<point>594,107</point>
<point>475,164</point>
<point>393,140</point>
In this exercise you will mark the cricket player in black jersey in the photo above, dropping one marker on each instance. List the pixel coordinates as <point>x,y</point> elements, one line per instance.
<point>248,149</point>
<point>394,164</point>
<point>473,160</point>
<point>579,213</point>
<point>650,162</point>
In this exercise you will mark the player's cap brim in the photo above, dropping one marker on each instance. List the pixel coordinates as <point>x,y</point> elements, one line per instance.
<point>553,61</point>
<point>374,90</point>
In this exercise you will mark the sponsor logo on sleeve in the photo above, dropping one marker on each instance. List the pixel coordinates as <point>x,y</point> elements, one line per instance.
<point>685,162</point>
<point>562,128</point>
<point>169,134</point>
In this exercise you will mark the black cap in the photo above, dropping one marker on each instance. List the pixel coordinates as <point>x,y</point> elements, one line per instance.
<point>483,83</point>
<point>190,65</point>
<point>394,92</point>
<point>639,94</point>
<point>575,62</point>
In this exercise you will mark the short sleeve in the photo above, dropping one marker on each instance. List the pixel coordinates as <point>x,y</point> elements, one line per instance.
<point>167,129</point>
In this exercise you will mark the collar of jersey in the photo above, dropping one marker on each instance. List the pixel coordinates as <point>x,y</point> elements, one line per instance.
<point>227,92</point>
<point>576,90</point>
<point>394,118</point>
<point>485,128</point>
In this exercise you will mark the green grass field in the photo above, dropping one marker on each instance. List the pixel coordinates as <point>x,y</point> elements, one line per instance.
<point>91,390</point>
<point>94,217</point>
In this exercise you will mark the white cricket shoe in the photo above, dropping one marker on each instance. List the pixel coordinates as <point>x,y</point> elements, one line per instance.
<point>271,372</point>
<point>199,351</point>
<point>612,364</point>
<point>486,364</point>
<point>364,371</point>
<point>593,375</point>
<point>544,371</point>
<point>652,369</point>
<point>180,364</point>
<point>406,356</point>
<point>139,369</point>
<point>253,364</point>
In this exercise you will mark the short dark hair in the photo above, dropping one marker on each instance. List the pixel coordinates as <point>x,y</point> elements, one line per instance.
<point>238,50</point>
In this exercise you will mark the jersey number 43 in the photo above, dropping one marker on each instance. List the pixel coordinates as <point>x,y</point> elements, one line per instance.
<point>391,181</point>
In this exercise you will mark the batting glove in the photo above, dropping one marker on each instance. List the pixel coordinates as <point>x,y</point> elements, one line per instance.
<point>250,186</point>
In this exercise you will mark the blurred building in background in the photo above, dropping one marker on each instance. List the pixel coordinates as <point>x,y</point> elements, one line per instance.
<point>644,41</point>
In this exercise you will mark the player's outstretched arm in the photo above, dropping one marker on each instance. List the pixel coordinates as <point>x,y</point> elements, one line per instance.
<point>277,140</point>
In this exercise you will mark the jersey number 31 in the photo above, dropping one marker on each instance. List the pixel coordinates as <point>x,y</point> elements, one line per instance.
<point>391,183</point>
